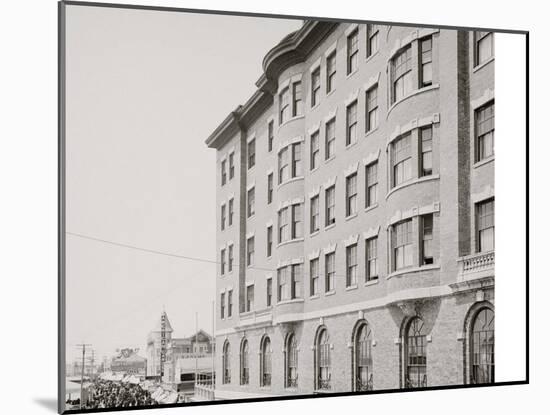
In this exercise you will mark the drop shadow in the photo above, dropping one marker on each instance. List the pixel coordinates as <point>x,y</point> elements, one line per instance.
<point>48,403</point>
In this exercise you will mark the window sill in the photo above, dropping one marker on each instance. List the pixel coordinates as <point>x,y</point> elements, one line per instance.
<point>483,65</point>
<point>350,217</point>
<point>351,287</point>
<point>313,170</point>
<point>251,216</point>
<point>291,301</point>
<point>290,242</point>
<point>412,94</point>
<point>327,293</point>
<point>371,207</point>
<point>411,270</point>
<point>349,75</point>
<point>297,117</point>
<point>314,107</point>
<point>314,297</point>
<point>372,131</point>
<point>411,182</point>
<point>311,235</point>
<point>371,56</point>
<point>372,281</point>
<point>291,180</point>
<point>350,145</point>
<point>330,159</point>
<point>330,226</point>
<point>483,162</point>
<point>329,93</point>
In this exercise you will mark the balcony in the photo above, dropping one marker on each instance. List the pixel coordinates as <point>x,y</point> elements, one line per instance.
<point>475,271</point>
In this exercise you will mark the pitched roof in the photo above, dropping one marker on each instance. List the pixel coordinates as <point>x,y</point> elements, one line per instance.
<point>158,326</point>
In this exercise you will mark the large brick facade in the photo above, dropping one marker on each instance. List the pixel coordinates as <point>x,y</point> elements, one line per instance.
<point>446,293</point>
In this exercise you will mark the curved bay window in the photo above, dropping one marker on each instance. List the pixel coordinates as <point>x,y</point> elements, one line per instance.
<point>482,347</point>
<point>363,358</point>
<point>291,362</point>
<point>323,360</point>
<point>245,371</point>
<point>226,363</point>
<point>415,354</point>
<point>265,362</point>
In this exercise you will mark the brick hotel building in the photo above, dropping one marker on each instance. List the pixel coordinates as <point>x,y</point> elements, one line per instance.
<point>355,224</point>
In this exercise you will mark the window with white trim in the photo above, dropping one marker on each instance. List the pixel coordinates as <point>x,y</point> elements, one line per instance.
<point>427,222</point>
<point>351,123</point>
<point>222,218</point>
<point>250,297</point>
<point>224,173</point>
<point>222,306</point>
<point>351,194</point>
<point>330,205</point>
<point>402,244</point>
<point>230,212</point>
<point>401,74</point>
<point>330,270</point>
<point>296,160</point>
<point>315,86</point>
<point>351,265</point>
<point>231,165</point>
<point>331,71</point>
<point>371,172</point>
<point>251,153</point>
<point>485,225</point>
<point>269,241</point>
<point>250,251</point>
<point>314,276</point>
<point>283,292</point>
<point>284,105</point>
<point>297,109</point>
<point>269,292</point>
<point>353,51</point>
<point>284,228</point>
<point>314,151</point>
<point>230,258</point>
<point>330,138</point>
<point>371,108</point>
<point>251,202</point>
<point>314,214</point>
<point>426,139</point>
<point>229,303</point>
<point>295,281</point>
<point>270,135</point>
<point>269,188</point>
<point>483,46</point>
<point>297,228</point>
<point>426,75</point>
<point>222,261</point>
<point>372,39</point>
<point>485,131</point>
<point>371,248</point>
<point>402,160</point>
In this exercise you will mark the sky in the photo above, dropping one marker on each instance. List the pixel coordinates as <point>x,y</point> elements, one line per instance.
<point>144,89</point>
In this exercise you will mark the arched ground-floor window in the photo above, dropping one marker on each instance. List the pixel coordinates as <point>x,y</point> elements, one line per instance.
<point>363,357</point>
<point>226,363</point>
<point>415,354</point>
<point>291,357</point>
<point>245,371</point>
<point>265,362</point>
<point>323,361</point>
<point>482,347</point>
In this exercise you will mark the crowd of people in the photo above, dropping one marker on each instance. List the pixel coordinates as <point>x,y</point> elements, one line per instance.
<point>109,394</point>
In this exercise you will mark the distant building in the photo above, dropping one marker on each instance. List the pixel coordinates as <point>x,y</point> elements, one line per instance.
<point>355,214</point>
<point>129,362</point>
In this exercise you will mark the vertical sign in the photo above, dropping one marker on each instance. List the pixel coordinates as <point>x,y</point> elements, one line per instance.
<point>162,343</point>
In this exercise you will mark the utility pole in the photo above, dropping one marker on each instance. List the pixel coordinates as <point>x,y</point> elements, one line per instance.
<point>83,346</point>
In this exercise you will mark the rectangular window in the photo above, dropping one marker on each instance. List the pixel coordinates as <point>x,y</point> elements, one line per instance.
<point>351,123</point>
<point>250,251</point>
<point>330,266</point>
<point>284,169</point>
<point>314,222</point>
<point>222,262</point>
<point>297,229</point>
<point>371,259</point>
<point>250,298</point>
<point>331,71</point>
<point>427,239</point>
<point>269,240</point>
<point>314,276</point>
<point>330,138</point>
<point>269,188</point>
<point>229,303</point>
<point>251,153</point>
<point>402,161</point>
<point>401,74</point>
<point>282,284</point>
<point>351,194</point>
<point>231,165</point>
<point>230,258</point>
<point>315,86</point>
<point>314,151</point>
<point>270,136</point>
<point>402,244</point>
<point>222,219</point>
<point>372,108</point>
<point>372,39</point>
<point>297,99</point>
<point>426,62</point>
<point>222,305</point>
<point>483,46</point>
<point>485,131</point>
<point>269,292</point>
<point>224,173</point>
<point>283,225</point>
<point>330,205</point>
<point>485,218</point>
<point>284,105</point>
<point>250,206</point>
<point>295,278</point>
<point>426,167</point>
<point>296,160</point>
<point>351,265</point>
<point>230,213</point>
<point>372,184</point>
<point>353,51</point>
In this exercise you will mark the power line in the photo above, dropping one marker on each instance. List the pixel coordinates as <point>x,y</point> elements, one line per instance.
<point>190,258</point>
